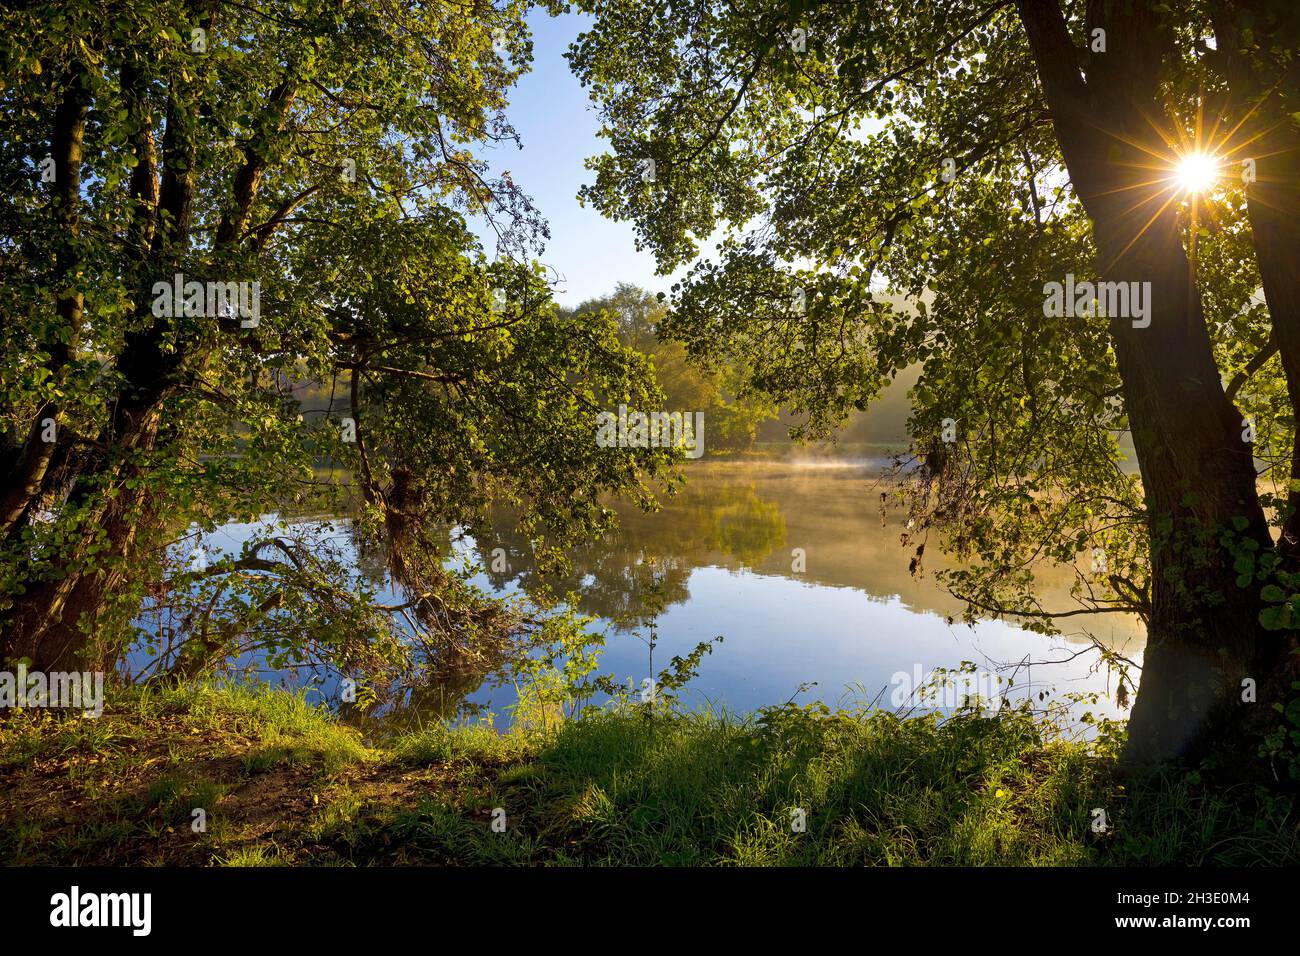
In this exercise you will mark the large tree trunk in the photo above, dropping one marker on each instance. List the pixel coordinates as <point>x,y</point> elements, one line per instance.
<point>1197,471</point>
<point>1198,478</point>
<point>53,623</point>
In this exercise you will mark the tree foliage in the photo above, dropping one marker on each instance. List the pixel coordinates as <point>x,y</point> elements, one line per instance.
<point>332,154</point>
<point>964,154</point>
<point>719,391</point>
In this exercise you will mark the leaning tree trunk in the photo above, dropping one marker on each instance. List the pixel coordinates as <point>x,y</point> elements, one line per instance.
<point>1197,470</point>
<point>54,623</point>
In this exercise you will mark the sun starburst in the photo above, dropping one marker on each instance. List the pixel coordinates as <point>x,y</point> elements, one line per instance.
<point>1196,172</point>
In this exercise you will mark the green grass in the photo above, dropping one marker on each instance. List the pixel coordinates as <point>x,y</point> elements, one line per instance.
<point>282,782</point>
<point>809,789</point>
<point>123,788</point>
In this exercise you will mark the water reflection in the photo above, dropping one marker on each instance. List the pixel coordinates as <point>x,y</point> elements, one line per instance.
<point>720,559</point>
<point>748,517</point>
<point>646,562</point>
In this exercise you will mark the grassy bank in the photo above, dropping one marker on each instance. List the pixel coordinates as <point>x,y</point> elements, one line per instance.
<point>281,782</point>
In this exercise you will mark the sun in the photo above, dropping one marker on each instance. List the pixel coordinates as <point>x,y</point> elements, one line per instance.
<point>1196,172</point>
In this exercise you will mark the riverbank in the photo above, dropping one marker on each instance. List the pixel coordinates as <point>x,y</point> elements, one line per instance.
<point>211,775</point>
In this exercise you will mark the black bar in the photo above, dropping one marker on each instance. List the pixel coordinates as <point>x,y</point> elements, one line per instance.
<point>337,906</point>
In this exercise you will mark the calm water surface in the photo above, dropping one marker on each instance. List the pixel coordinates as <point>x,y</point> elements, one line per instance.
<point>720,560</point>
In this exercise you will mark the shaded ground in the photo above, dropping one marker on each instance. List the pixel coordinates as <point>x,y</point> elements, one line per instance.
<point>278,781</point>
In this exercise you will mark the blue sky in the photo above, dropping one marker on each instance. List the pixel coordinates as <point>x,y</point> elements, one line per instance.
<point>558,124</point>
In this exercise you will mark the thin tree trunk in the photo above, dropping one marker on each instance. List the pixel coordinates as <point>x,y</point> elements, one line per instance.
<point>28,468</point>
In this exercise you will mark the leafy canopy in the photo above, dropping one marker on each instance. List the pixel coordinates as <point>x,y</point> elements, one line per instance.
<point>843,155</point>
<point>331,153</point>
